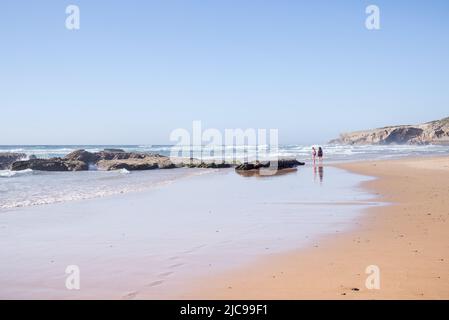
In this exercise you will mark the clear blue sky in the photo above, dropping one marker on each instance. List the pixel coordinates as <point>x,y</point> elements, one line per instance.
<point>138,69</point>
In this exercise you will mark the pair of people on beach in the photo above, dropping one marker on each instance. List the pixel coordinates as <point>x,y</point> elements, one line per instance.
<point>318,153</point>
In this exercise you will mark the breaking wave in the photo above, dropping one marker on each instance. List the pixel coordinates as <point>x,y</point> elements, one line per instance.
<point>10,174</point>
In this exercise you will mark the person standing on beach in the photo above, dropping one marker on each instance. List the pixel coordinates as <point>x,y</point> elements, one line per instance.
<point>320,154</point>
<point>313,154</point>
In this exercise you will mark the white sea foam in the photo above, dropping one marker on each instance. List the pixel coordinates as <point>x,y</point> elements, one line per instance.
<point>10,174</point>
<point>28,189</point>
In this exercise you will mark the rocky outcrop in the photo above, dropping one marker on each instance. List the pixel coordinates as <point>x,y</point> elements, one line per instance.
<point>54,164</point>
<point>111,159</point>
<point>286,164</point>
<point>212,165</point>
<point>107,154</point>
<point>434,132</point>
<point>82,155</point>
<point>156,162</point>
<point>108,159</point>
<point>8,158</point>
<point>252,166</point>
<point>116,159</point>
<point>278,165</point>
<point>136,162</point>
<point>128,164</point>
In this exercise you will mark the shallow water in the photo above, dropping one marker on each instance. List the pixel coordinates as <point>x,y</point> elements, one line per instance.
<point>151,243</point>
<point>28,188</point>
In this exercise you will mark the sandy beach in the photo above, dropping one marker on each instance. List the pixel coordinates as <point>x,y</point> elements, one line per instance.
<point>407,239</point>
<point>177,226</point>
<point>308,234</point>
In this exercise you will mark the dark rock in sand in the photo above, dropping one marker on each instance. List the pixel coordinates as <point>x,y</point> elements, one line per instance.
<point>8,158</point>
<point>246,166</point>
<point>54,164</point>
<point>222,165</point>
<point>114,150</point>
<point>288,163</point>
<point>208,165</point>
<point>253,166</point>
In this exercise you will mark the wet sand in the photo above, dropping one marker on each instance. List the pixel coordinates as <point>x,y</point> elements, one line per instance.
<point>153,243</point>
<point>408,240</point>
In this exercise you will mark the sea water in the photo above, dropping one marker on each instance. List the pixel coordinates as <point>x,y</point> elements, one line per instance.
<point>28,188</point>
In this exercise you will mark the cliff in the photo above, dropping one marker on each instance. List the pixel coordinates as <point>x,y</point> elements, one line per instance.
<point>434,132</point>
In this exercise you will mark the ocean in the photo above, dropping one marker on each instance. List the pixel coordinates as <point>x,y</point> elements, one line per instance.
<point>301,152</point>
<point>29,188</point>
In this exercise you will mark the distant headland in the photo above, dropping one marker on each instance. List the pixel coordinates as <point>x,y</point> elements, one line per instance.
<point>434,132</point>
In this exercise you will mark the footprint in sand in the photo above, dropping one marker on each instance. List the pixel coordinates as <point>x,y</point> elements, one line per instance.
<point>176,265</point>
<point>130,295</point>
<point>155,283</point>
<point>194,249</point>
<point>165,274</point>
<point>162,275</point>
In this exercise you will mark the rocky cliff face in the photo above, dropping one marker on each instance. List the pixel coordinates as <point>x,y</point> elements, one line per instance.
<point>434,132</point>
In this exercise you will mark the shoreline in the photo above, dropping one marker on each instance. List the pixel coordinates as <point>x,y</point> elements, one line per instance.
<point>407,239</point>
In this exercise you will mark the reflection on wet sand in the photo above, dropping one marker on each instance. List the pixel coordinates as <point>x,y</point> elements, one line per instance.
<point>265,173</point>
<point>320,173</point>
